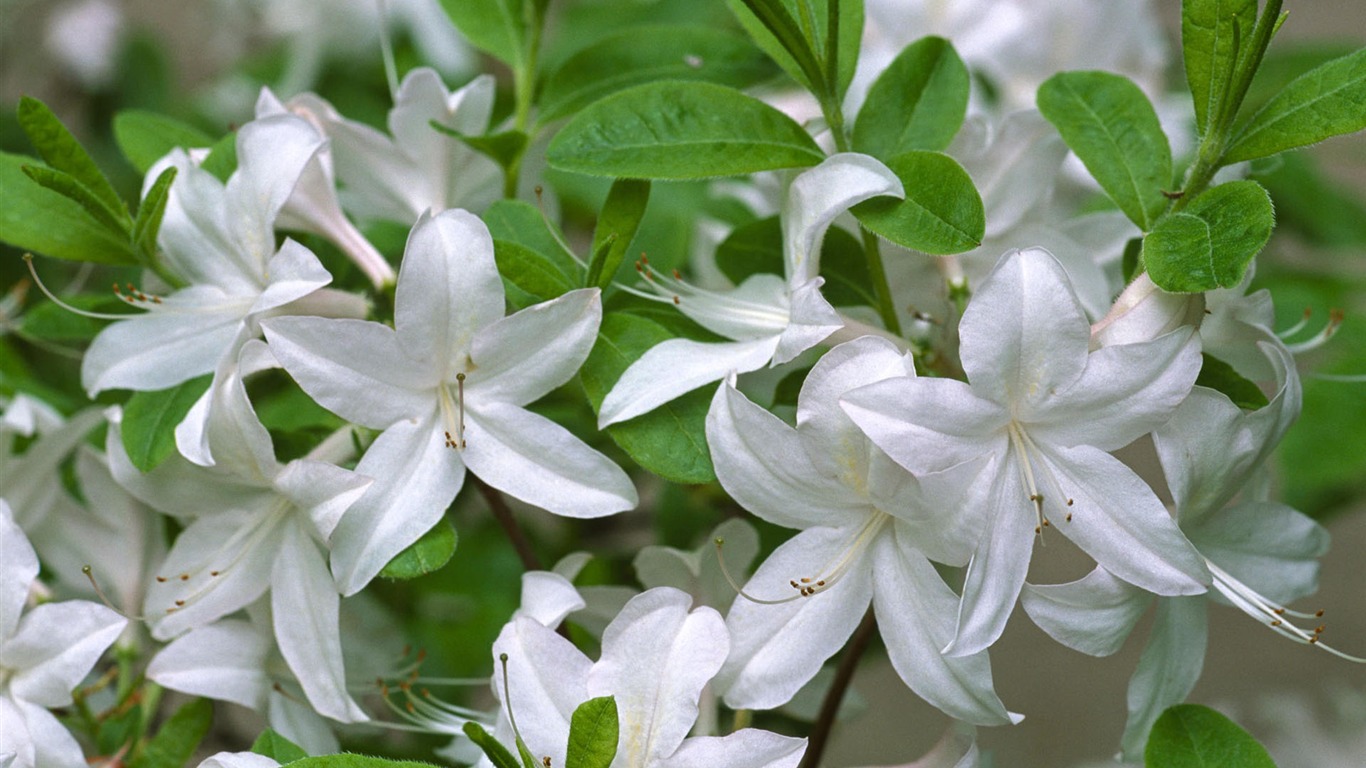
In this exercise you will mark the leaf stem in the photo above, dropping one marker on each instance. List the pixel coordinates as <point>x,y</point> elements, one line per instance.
<point>877,275</point>
<point>844,674</point>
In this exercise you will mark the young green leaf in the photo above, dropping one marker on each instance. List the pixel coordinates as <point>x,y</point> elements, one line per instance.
<point>427,554</point>
<point>619,220</point>
<point>277,747</point>
<point>59,149</point>
<point>1207,46</point>
<point>1220,376</point>
<point>918,102</point>
<point>496,752</point>
<point>648,54</point>
<point>522,223</point>
<point>529,276</point>
<point>942,212</point>
<point>1193,736</point>
<point>67,186</point>
<point>146,137</point>
<point>773,26</point>
<point>222,159</point>
<point>680,130</point>
<point>1209,244</point>
<point>1325,101</point>
<point>593,731</point>
<point>153,208</point>
<point>33,218</point>
<point>1112,127</point>
<point>150,419</point>
<point>176,740</point>
<point>496,27</point>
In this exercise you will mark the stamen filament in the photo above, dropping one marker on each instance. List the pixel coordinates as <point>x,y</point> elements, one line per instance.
<point>1271,614</point>
<point>829,575</point>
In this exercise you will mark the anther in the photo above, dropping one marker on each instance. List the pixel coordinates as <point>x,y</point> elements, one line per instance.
<point>1069,517</point>
<point>161,579</point>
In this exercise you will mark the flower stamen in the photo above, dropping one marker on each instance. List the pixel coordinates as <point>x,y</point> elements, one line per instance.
<point>827,577</point>
<point>1270,613</point>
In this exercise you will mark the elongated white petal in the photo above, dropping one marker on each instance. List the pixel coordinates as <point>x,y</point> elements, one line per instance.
<point>294,272</point>
<point>1093,615</point>
<point>55,647</point>
<point>37,738</point>
<point>820,194</point>
<point>292,717</point>
<point>1168,669</point>
<point>676,367</point>
<point>834,442</point>
<point>656,658</point>
<point>197,235</point>
<point>159,350</point>
<point>1024,335</point>
<point>757,308</point>
<point>353,368</point>
<point>238,441</point>
<point>811,321</point>
<point>238,760</point>
<point>321,490</point>
<point>523,356</point>
<point>536,460</point>
<point>776,649</point>
<point>745,748</point>
<point>548,597</point>
<point>18,569</point>
<point>224,661</point>
<point>30,481</point>
<point>915,616</point>
<point>304,602</point>
<point>547,677</point>
<point>1268,546</point>
<point>272,153</point>
<point>926,424</point>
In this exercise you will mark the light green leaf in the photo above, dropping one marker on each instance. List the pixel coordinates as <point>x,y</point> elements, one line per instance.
<point>222,159</point>
<point>427,554</point>
<point>522,223</point>
<point>36,219</point>
<point>176,740</point>
<point>1193,736</point>
<point>59,149</point>
<point>618,221</point>
<point>680,130</point>
<point>529,276</point>
<point>150,213</point>
<point>67,186</point>
<point>648,54</point>
<point>146,137</point>
<point>496,27</point>
<point>942,212</point>
<point>670,441</point>
<point>1112,127</point>
<point>593,731</point>
<point>1221,377</point>
<point>150,419</point>
<point>277,747</point>
<point>777,27</point>
<point>1207,36</point>
<point>496,752</point>
<point>1325,101</point>
<point>1209,244</point>
<point>918,102</point>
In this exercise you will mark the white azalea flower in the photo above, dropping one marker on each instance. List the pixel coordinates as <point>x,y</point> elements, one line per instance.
<point>1046,412</point>
<point>31,480</point>
<point>869,530</point>
<point>448,385</point>
<point>44,654</point>
<point>769,319</point>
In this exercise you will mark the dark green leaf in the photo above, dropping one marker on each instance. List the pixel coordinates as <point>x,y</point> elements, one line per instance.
<point>1207,39</point>
<point>150,213</point>
<point>522,223</point>
<point>757,247</point>
<point>1128,261</point>
<point>669,441</point>
<point>680,130</point>
<point>496,752</point>
<point>1112,127</point>
<point>496,27</point>
<point>36,219</point>
<point>844,265</point>
<point>59,149</point>
<point>1220,376</point>
<point>277,747</point>
<point>918,102</point>
<point>648,54</point>
<point>619,220</point>
<point>67,186</point>
<point>1209,244</point>
<point>50,322</point>
<point>146,137</point>
<point>1323,102</point>
<point>530,277</point>
<point>942,212</point>
<point>425,555</point>
<point>222,159</point>
<point>175,742</point>
<point>772,24</point>
<point>1193,736</point>
<point>150,419</point>
<point>593,734</point>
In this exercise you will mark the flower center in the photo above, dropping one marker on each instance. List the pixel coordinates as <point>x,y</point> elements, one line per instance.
<point>453,412</point>
<point>714,310</point>
<point>828,576</point>
<point>1026,453</point>
<point>200,582</point>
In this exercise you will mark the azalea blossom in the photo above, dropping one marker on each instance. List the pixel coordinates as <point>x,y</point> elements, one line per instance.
<point>1046,412</point>
<point>869,531</point>
<point>770,320</point>
<point>448,385</point>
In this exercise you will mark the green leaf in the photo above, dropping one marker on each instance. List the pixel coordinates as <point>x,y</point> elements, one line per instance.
<point>150,419</point>
<point>425,555</point>
<point>222,159</point>
<point>670,441</point>
<point>680,130</point>
<point>150,213</point>
<point>1316,207</point>
<point>1193,736</point>
<point>844,265</point>
<point>918,102</point>
<point>146,137</point>
<point>1128,261</point>
<point>33,218</point>
<point>1220,376</point>
<point>942,212</point>
<point>496,752</point>
<point>593,731</point>
<point>1112,127</point>
<point>530,277</point>
<point>67,186</point>
<point>522,223</point>
<point>504,148</point>
<point>776,27</point>
<point>277,747</point>
<point>59,149</point>
<point>176,740</point>
<point>619,220</point>
<point>496,27</point>
<point>1207,39</point>
<point>1323,102</point>
<point>50,322</point>
<point>757,247</point>
<point>648,54</point>
<point>1209,244</point>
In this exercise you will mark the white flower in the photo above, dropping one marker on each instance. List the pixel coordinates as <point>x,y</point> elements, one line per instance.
<point>448,385</point>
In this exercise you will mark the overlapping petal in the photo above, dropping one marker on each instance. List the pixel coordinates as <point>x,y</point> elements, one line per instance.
<point>522,357</point>
<point>678,366</point>
<point>1093,615</point>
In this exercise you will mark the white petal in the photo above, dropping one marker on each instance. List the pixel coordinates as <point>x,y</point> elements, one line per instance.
<point>52,745</point>
<point>197,235</point>
<point>927,424</point>
<point>294,272</point>
<point>18,569</point>
<point>323,491</point>
<point>294,719</point>
<point>675,367</point>
<point>811,321</point>
<point>745,748</point>
<point>272,153</point>
<point>55,647</point>
<point>1093,615</point>
<point>846,367</point>
<point>1268,546</point>
<point>238,760</point>
<point>656,658</point>
<point>820,194</point>
<point>237,440</point>
<point>548,597</point>
<point>536,460</point>
<point>523,356</point>
<point>158,350</point>
<point>1168,669</point>
<point>546,679</point>
<point>224,661</point>
<point>218,565</point>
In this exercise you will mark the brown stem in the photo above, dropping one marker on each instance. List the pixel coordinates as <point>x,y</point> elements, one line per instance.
<point>820,730</point>
<point>503,514</point>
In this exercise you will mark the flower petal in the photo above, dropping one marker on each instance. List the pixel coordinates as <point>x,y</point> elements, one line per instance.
<point>1093,615</point>
<point>547,677</point>
<point>745,748</point>
<point>55,647</point>
<point>1268,546</point>
<point>548,597</point>
<point>676,367</point>
<point>525,355</point>
<point>1168,669</point>
<point>272,153</point>
<point>294,272</point>
<point>224,661</point>
<point>323,491</point>
<point>159,350</point>
<point>811,320</point>
<point>927,424</point>
<point>49,745</point>
<point>18,569</point>
<point>817,196</point>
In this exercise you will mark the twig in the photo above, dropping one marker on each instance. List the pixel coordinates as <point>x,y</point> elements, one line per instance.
<point>820,730</point>
<point>503,514</point>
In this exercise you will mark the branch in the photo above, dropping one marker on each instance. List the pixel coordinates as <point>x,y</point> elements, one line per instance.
<point>820,730</point>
